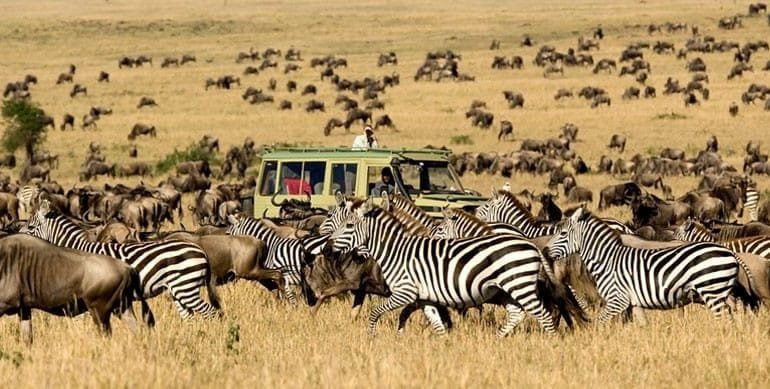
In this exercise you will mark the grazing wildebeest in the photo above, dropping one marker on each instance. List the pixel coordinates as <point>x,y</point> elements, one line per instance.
<point>562,93</point>
<point>620,194</point>
<point>103,77</point>
<point>187,58</point>
<point>47,120</point>
<point>383,121</point>
<point>127,62</point>
<point>146,101</point>
<point>168,61</point>
<point>601,99</point>
<point>67,282</point>
<point>284,105</point>
<point>506,129</point>
<point>332,124</point>
<point>194,167</point>
<point>357,114</point>
<point>250,70</point>
<point>95,168</point>
<point>631,93</point>
<point>98,111</point>
<point>67,119</point>
<point>64,77</point>
<point>142,59</point>
<point>291,67</point>
<point>34,171</point>
<point>617,141</point>
<point>649,91</point>
<point>142,129</point>
<point>89,121</point>
<point>315,105</point>
<point>733,109</point>
<point>309,89</point>
<point>515,99</point>
<point>291,86</point>
<point>690,99</point>
<point>134,169</point>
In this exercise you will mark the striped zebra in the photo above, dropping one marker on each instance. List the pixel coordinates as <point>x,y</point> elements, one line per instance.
<point>339,215</point>
<point>643,278</point>
<point>692,231</point>
<point>28,196</point>
<point>751,202</point>
<point>506,208</point>
<point>459,224</point>
<point>286,254</point>
<point>456,273</point>
<point>178,266</point>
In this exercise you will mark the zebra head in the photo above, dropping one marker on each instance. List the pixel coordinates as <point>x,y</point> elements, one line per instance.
<point>692,231</point>
<point>355,234</point>
<point>338,215</point>
<point>568,237</point>
<point>38,225</point>
<point>447,229</point>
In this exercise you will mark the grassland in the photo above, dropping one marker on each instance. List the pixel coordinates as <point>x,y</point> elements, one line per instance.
<point>286,346</point>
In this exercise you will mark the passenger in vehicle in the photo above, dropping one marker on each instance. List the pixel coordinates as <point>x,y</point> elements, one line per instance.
<point>385,185</point>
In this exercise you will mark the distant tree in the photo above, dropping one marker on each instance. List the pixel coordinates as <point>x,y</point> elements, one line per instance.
<point>25,126</point>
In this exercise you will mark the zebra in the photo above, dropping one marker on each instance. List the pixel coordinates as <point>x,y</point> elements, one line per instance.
<point>286,254</point>
<point>752,202</point>
<point>455,273</point>
<point>459,224</point>
<point>28,196</point>
<point>643,278</point>
<point>506,208</point>
<point>339,214</point>
<point>178,266</point>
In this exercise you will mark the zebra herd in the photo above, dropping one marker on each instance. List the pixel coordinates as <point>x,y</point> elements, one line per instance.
<point>498,255</point>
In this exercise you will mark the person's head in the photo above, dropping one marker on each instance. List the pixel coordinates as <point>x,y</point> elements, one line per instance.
<point>368,131</point>
<point>387,175</point>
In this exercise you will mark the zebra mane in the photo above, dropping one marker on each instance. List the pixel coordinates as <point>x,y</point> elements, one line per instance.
<point>77,227</point>
<point>399,201</point>
<point>700,228</point>
<point>409,222</point>
<point>471,218</point>
<point>519,206</point>
<point>590,218</point>
<point>377,212</point>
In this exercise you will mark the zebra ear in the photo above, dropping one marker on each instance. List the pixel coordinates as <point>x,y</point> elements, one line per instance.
<point>581,214</point>
<point>44,208</point>
<point>339,198</point>
<point>506,187</point>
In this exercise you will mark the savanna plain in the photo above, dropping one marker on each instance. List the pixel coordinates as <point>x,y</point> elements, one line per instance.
<point>264,342</point>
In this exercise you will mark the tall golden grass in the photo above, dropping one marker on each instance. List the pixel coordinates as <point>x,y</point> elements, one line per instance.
<point>266,343</point>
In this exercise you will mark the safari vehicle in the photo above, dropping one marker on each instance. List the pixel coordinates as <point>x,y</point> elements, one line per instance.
<point>424,175</point>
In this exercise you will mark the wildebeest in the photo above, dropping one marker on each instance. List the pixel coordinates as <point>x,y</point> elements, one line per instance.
<point>132,152</point>
<point>126,62</point>
<point>309,89</point>
<point>315,105</point>
<point>194,167</point>
<point>34,171</point>
<point>62,282</point>
<point>67,119</point>
<point>64,77</point>
<point>89,121</point>
<point>690,99</point>
<point>733,109</point>
<point>357,114</point>
<point>383,121</point>
<point>631,93</point>
<point>134,169</point>
<point>96,168</point>
<point>620,194</point>
<point>562,93</point>
<point>146,101</point>
<point>142,129</point>
<point>332,124</point>
<point>103,77</point>
<point>168,61</point>
<point>97,111</point>
<point>649,91</point>
<point>506,130</point>
<point>514,99</point>
<point>601,99</point>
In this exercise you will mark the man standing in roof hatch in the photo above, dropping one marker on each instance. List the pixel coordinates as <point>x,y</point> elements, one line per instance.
<point>367,140</point>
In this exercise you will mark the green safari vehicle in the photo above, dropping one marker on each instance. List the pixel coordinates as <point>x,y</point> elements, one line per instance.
<point>423,175</point>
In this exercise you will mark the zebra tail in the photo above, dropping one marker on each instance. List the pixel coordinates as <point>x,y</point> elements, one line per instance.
<point>147,316</point>
<point>211,289</point>
<point>746,293</point>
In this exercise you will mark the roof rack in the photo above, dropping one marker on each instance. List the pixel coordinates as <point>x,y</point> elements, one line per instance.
<point>339,149</point>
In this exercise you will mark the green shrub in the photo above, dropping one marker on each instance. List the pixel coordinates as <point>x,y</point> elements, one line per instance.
<point>193,152</point>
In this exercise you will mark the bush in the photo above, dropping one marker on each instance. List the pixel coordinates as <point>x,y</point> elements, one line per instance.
<point>193,152</point>
<point>26,126</point>
<point>461,140</point>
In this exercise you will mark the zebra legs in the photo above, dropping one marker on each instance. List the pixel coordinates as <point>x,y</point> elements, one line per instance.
<point>189,300</point>
<point>399,298</point>
<point>515,314</point>
<point>613,307</point>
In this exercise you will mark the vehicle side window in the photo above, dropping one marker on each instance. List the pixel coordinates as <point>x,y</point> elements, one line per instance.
<point>298,178</point>
<point>344,178</point>
<point>267,186</point>
<point>314,173</point>
<point>291,181</point>
<point>375,183</point>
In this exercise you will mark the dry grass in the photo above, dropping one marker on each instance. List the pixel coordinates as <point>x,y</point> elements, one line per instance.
<point>281,345</point>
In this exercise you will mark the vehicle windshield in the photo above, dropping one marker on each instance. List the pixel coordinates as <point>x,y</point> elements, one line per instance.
<point>428,177</point>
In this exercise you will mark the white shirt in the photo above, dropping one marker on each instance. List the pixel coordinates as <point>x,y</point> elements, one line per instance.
<point>360,142</point>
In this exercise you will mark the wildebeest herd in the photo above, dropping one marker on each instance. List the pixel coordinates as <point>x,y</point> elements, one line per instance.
<point>344,250</point>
